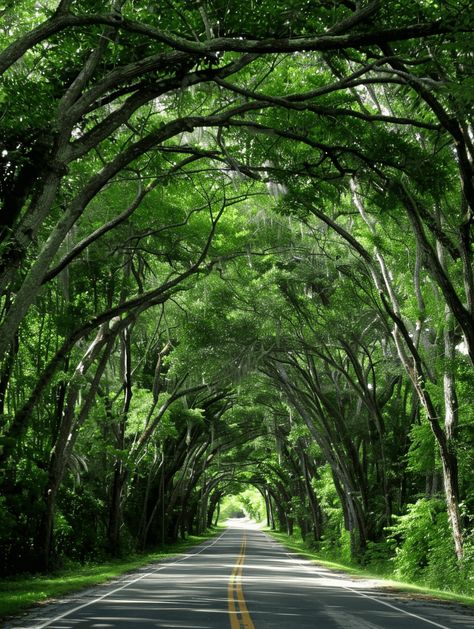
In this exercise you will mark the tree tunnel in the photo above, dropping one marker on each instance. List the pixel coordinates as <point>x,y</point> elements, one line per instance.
<point>236,250</point>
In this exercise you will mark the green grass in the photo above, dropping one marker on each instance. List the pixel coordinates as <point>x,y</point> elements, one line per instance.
<point>18,594</point>
<point>298,546</point>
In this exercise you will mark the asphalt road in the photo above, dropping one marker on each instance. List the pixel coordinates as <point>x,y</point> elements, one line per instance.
<point>245,580</point>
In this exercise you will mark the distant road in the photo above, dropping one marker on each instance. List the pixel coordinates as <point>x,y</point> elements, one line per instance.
<point>245,580</point>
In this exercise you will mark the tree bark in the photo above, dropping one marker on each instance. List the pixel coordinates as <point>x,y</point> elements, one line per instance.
<point>64,443</point>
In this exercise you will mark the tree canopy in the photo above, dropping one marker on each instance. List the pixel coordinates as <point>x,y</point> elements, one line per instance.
<point>236,250</point>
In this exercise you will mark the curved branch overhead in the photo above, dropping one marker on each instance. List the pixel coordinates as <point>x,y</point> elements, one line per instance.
<point>236,251</point>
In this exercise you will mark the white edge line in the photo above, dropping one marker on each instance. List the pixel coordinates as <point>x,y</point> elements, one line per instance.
<point>147,574</point>
<point>372,598</point>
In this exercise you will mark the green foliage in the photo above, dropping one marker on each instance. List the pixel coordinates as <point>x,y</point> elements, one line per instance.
<point>424,550</point>
<point>231,508</point>
<point>253,504</point>
<point>335,541</point>
<point>422,455</point>
<point>74,540</point>
<point>249,502</point>
<point>335,178</point>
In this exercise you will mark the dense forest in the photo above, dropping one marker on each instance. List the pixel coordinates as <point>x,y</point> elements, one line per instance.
<point>236,250</point>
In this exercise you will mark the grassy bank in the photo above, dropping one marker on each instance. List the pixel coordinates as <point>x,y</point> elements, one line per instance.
<point>18,594</point>
<point>296,544</point>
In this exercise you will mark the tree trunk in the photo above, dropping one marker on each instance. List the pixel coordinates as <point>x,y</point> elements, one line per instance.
<point>450,462</point>
<point>218,513</point>
<point>313,501</point>
<point>63,446</point>
<point>120,472</point>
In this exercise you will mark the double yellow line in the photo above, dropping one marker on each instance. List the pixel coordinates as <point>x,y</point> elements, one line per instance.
<point>238,612</point>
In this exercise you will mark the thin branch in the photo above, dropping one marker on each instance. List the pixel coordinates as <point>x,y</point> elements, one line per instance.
<point>325,111</point>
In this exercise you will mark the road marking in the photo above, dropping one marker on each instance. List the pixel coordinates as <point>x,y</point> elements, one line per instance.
<point>143,576</point>
<point>398,609</point>
<point>345,587</point>
<point>238,612</point>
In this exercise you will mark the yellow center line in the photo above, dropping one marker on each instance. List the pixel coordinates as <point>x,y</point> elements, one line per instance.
<point>238,612</point>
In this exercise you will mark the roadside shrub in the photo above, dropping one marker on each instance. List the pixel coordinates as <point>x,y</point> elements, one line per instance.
<point>336,540</point>
<point>420,533</point>
<point>72,538</point>
<point>425,551</point>
<point>378,556</point>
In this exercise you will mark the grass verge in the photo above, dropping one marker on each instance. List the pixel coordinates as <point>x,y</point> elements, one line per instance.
<point>18,594</point>
<point>298,546</point>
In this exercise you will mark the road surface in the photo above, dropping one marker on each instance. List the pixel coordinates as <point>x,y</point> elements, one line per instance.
<point>245,580</point>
